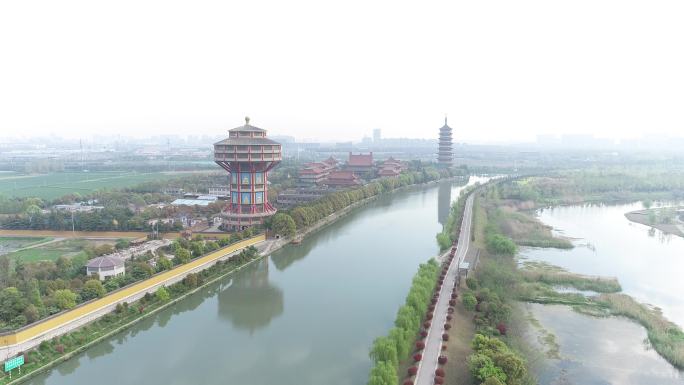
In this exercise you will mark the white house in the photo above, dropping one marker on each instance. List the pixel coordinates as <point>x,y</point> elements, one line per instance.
<point>106,266</point>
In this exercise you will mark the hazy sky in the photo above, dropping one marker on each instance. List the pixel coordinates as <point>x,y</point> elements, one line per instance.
<point>502,70</point>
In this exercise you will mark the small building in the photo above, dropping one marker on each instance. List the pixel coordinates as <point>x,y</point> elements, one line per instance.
<point>361,165</point>
<point>340,179</point>
<point>391,167</point>
<point>202,200</point>
<point>219,191</point>
<point>105,267</point>
<point>77,208</point>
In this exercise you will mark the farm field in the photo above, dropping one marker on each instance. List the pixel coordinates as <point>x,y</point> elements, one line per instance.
<point>9,244</point>
<point>55,185</point>
<point>54,250</point>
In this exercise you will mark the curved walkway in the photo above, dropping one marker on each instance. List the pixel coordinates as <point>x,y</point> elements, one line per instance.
<point>433,342</point>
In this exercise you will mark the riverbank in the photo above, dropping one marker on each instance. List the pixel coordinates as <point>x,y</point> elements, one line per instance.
<point>669,224</point>
<point>544,283</point>
<point>272,245</point>
<point>64,347</point>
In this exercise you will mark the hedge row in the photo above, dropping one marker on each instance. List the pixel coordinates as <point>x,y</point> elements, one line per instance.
<point>387,351</point>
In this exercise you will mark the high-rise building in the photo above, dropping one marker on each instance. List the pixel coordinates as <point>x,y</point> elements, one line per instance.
<point>248,156</point>
<point>445,155</point>
<point>377,135</point>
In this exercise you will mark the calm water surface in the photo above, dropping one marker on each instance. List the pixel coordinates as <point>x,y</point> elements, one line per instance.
<point>649,265</point>
<point>306,315</point>
<point>598,351</point>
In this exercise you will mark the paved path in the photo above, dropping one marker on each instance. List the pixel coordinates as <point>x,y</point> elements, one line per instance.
<point>433,342</point>
<point>29,336</point>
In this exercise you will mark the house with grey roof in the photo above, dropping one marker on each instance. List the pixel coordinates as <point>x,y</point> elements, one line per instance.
<point>106,266</point>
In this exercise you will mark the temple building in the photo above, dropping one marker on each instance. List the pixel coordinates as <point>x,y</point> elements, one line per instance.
<point>391,167</point>
<point>361,165</point>
<point>340,179</point>
<point>445,155</point>
<point>248,155</point>
<point>316,173</point>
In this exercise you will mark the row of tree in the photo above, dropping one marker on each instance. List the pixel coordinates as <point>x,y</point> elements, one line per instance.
<point>30,291</point>
<point>286,223</point>
<point>389,350</point>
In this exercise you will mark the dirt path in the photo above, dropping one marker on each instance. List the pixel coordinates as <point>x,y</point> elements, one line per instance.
<point>460,335</point>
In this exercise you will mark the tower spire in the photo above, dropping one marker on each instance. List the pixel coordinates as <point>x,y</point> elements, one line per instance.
<point>445,119</point>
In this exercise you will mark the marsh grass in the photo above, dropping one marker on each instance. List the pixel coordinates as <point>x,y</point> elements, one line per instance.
<point>665,336</point>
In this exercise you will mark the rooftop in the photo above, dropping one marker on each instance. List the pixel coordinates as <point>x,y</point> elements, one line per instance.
<point>247,127</point>
<point>360,159</point>
<point>105,262</point>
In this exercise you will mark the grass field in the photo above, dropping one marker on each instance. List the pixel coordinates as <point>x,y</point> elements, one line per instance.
<point>52,251</point>
<point>55,185</point>
<point>9,244</point>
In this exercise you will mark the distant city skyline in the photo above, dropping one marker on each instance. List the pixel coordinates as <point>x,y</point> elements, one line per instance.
<point>502,71</point>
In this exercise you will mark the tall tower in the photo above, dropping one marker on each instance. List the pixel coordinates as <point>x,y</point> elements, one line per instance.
<point>445,155</point>
<point>248,156</point>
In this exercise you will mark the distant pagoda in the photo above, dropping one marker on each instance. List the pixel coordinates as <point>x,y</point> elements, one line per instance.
<point>445,155</point>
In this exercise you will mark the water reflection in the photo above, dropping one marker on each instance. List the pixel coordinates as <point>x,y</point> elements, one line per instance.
<point>606,351</point>
<point>238,331</point>
<point>648,263</point>
<point>251,302</point>
<point>443,202</point>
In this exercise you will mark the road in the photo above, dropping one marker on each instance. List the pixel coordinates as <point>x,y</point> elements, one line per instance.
<point>30,336</point>
<point>433,341</point>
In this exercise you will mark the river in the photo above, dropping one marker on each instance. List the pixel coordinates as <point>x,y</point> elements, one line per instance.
<point>306,314</point>
<point>648,264</point>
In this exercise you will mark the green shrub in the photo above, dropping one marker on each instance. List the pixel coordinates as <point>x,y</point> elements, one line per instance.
<point>469,301</point>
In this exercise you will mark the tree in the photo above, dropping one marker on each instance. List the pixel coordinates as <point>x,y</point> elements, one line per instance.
<point>384,373</point>
<point>31,313</point>
<point>499,244</point>
<point>11,303</point>
<point>92,289</point>
<point>141,270</point>
<point>444,241</point>
<point>162,294</point>
<point>384,349</point>
<point>182,256</point>
<point>469,301</point>
<point>482,367</point>
<point>197,248</point>
<point>64,299</point>
<point>492,381</point>
<point>191,280</point>
<point>163,263</point>
<point>284,225</point>
<point>64,266</point>
<point>122,244</point>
